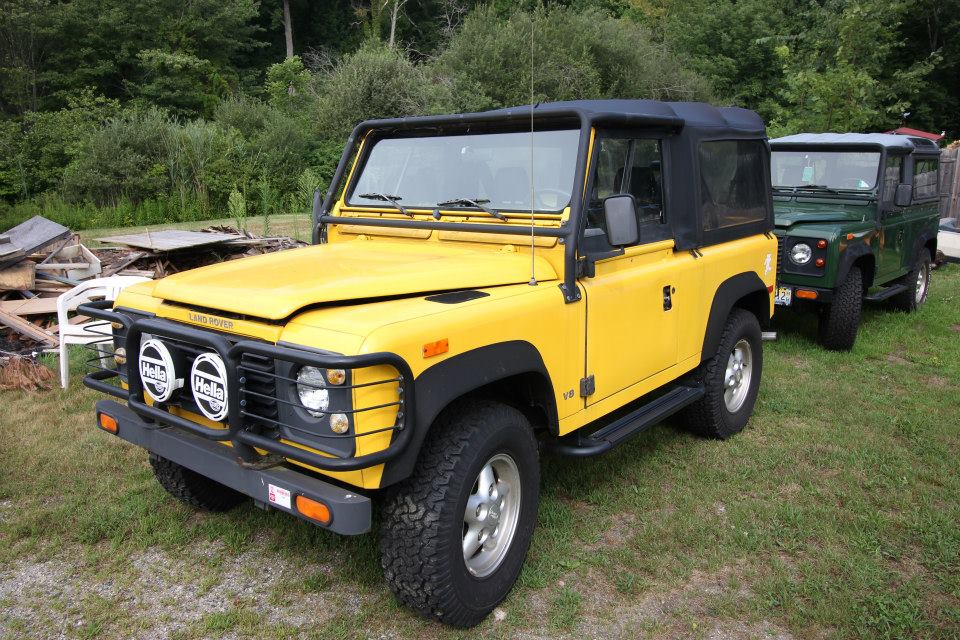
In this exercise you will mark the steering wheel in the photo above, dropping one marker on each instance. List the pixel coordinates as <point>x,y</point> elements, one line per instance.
<point>563,197</point>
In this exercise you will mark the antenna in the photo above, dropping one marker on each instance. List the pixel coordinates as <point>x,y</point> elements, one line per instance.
<point>533,242</point>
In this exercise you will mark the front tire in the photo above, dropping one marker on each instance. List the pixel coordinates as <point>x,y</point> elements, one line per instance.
<point>192,488</point>
<point>918,285</point>
<point>455,534</point>
<point>731,380</point>
<point>840,320</point>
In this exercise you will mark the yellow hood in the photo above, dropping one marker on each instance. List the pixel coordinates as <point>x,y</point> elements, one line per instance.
<point>276,285</point>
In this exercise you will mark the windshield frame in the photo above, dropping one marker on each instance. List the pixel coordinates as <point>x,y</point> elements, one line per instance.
<point>831,191</point>
<point>376,136</point>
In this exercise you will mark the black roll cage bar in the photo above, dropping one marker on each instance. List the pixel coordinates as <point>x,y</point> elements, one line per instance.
<point>569,232</point>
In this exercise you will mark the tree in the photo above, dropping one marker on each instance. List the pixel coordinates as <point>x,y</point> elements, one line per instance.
<point>287,28</point>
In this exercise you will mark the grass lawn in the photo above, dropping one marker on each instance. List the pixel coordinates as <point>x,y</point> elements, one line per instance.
<point>833,515</point>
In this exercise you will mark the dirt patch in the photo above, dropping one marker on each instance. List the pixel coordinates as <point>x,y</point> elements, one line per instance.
<point>619,532</point>
<point>938,382</point>
<point>893,358</point>
<point>163,594</point>
<point>955,328</point>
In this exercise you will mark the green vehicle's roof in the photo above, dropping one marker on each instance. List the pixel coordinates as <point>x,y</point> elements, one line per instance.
<point>906,144</point>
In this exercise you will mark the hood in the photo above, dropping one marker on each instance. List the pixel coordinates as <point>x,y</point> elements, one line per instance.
<point>274,286</point>
<point>787,214</point>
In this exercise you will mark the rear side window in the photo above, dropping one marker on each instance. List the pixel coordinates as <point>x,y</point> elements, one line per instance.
<point>925,179</point>
<point>732,186</point>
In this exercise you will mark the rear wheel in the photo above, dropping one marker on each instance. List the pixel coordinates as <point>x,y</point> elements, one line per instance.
<point>731,379</point>
<point>918,284</point>
<point>840,320</point>
<point>192,488</point>
<point>455,534</point>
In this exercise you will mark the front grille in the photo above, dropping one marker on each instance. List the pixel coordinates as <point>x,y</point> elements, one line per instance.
<point>258,374</point>
<point>779,256</point>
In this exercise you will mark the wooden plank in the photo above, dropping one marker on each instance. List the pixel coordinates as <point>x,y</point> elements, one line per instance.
<point>32,235</point>
<point>28,329</point>
<point>19,277</point>
<point>171,240</point>
<point>31,307</point>
<point>124,263</point>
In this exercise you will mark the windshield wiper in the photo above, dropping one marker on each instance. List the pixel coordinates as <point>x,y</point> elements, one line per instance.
<point>477,203</point>
<point>384,197</point>
<point>812,187</point>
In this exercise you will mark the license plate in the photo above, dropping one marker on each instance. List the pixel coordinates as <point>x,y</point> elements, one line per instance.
<point>784,296</point>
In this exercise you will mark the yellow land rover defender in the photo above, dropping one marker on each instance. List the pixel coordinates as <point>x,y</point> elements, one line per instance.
<point>482,287</point>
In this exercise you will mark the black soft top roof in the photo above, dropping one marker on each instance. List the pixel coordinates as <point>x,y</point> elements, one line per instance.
<point>888,141</point>
<point>689,116</point>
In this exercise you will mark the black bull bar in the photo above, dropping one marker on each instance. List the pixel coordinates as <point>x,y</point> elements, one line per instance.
<point>237,432</point>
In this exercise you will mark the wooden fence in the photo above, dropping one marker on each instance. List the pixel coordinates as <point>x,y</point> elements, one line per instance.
<point>950,183</point>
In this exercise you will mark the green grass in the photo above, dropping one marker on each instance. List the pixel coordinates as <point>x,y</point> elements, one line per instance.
<point>833,515</point>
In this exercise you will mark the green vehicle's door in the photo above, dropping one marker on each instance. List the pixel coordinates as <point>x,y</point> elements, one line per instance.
<point>893,223</point>
<point>924,212</point>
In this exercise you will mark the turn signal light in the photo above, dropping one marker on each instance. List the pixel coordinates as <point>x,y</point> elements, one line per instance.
<point>850,236</point>
<point>436,348</point>
<point>107,423</point>
<point>805,293</point>
<point>820,262</point>
<point>821,244</point>
<point>314,510</point>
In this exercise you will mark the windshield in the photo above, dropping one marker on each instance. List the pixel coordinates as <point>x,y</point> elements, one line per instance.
<point>490,169</point>
<point>852,170</point>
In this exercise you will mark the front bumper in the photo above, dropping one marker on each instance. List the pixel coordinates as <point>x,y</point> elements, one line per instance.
<point>246,439</point>
<point>823,296</point>
<point>350,512</point>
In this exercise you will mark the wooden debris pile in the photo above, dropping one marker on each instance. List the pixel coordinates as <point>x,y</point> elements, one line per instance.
<point>40,260</point>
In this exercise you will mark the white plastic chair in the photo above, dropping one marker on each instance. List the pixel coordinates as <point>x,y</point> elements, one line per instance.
<point>94,331</point>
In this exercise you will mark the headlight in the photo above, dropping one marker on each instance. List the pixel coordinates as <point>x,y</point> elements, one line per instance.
<point>310,388</point>
<point>801,253</point>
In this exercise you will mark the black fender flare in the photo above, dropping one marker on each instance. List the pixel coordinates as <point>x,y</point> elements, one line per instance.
<point>455,377</point>
<point>728,294</point>
<point>853,253</point>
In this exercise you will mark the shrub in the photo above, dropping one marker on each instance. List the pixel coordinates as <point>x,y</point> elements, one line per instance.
<point>577,54</point>
<point>374,82</point>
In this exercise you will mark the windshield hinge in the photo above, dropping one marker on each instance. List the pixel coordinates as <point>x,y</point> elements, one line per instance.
<point>587,386</point>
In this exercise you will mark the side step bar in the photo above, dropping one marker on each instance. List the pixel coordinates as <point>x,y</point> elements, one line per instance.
<point>625,427</point>
<point>889,292</point>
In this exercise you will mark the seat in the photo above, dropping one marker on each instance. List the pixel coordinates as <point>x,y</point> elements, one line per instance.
<point>95,332</point>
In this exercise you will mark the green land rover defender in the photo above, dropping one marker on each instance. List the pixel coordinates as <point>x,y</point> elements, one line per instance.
<point>856,219</point>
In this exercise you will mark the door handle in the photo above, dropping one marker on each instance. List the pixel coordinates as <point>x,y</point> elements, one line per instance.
<point>668,292</point>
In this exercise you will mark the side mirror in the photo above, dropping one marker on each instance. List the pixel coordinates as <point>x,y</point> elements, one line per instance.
<point>620,214</point>
<point>904,195</point>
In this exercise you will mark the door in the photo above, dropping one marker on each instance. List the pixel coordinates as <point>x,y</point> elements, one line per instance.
<point>892,222</point>
<point>633,300</point>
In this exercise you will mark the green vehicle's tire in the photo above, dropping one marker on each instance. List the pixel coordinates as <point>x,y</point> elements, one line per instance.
<point>192,488</point>
<point>454,534</point>
<point>918,284</point>
<point>731,379</point>
<point>840,320</point>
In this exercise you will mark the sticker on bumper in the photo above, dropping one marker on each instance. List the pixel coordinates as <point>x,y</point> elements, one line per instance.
<point>784,296</point>
<point>278,496</point>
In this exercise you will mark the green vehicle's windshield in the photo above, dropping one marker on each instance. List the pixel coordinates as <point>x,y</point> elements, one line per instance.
<point>482,172</point>
<point>826,170</point>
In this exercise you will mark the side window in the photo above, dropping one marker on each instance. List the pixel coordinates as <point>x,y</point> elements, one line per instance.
<point>892,176</point>
<point>732,188</point>
<point>925,179</point>
<point>628,165</point>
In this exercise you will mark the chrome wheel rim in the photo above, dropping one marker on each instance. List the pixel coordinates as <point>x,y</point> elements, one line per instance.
<point>736,379</point>
<point>922,278</point>
<point>491,515</point>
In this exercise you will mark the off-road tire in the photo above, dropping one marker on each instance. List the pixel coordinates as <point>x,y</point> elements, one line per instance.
<point>422,525</point>
<point>907,301</point>
<point>192,488</point>
<point>709,417</point>
<point>840,320</point>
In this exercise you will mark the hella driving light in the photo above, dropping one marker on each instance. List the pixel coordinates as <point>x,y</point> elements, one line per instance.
<point>801,253</point>
<point>310,387</point>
